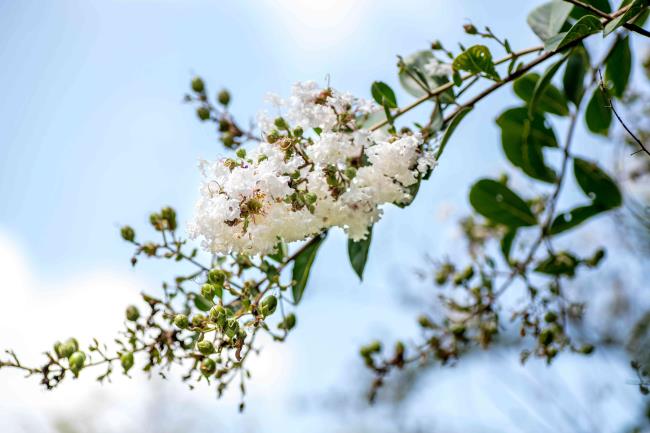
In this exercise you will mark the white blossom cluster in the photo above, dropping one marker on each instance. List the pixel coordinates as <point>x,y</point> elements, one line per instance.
<point>314,168</point>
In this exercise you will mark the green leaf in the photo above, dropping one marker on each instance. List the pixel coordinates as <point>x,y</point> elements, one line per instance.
<point>638,6</point>
<point>453,123</point>
<point>302,266</point>
<point>498,203</point>
<point>506,243</point>
<point>358,253</point>
<point>549,100</point>
<point>619,66</point>
<point>560,264</point>
<point>523,138</point>
<point>573,218</point>
<point>202,303</point>
<point>574,74</point>
<point>587,25</point>
<point>598,186</point>
<point>383,94</point>
<point>547,20</point>
<point>544,89</point>
<point>476,59</point>
<point>598,113</point>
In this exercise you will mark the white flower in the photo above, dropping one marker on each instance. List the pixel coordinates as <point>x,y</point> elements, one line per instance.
<point>292,187</point>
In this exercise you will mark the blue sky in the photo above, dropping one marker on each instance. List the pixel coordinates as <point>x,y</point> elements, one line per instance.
<point>94,135</point>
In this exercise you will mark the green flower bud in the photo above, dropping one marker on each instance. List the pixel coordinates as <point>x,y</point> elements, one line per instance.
<point>217,277</point>
<point>76,362</point>
<point>587,349</point>
<point>218,315</point>
<point>399,349</point>
<point>232,327</point>
<point>280,123</point>
<point>268,305</point>
<point>169,216</point>
<point>470,29</point>
<point>203,113</point>
<point>546,337</point>
<point>468,273</point>
<point>198,321</point>
<point>198,85</point>
<point>58,350</point>
<point>436,45</point>
<point>425,322</point>
<point>208,367</point>
<point>207,291</point>
<point>550,317</point>
<point>132,313</point>
<point>181,321</point>
<point>205,347</point>
<point>273,137</point>
<point>155,219</point>
<point>298,132</point>
<point>223,97</point>
<point>288,323</point>
<point>350,172</point>
<point>228,139</point>
<point>374,347</point>
<point>69,347</point>
<point>128,234</point>
<point>127,361</point>
<point>150,249</point>
<point>241,153</point>
<point>595,260</point>
<point>458,330</point>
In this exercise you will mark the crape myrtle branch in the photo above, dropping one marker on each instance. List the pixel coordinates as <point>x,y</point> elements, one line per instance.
<point>208,319</point>
<point>637,140</point>
<point>632,27</point>
<point>478,322</point>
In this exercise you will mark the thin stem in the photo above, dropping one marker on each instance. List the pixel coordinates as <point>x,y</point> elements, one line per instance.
<point>441,89</point>
<point>605,93</point>
<point>632,27</point>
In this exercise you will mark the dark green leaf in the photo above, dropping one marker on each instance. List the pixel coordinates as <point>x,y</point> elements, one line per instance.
<point>358,253</point>
<point>383,94</point>
<point>638,6</point>
<point>573,218</point>
<point>587,25</point>
<point>451,128</point>
<point>561,264</point>
<point>506,243</point>
<point>498,203</point>
<point>596,184</point>
<point>476,59</point>
<point>201,303</point>
<point>544,90</point>
<point>302,266</point>
<point>550,100</point>
<point>619,66</point>
<point>574,74</point>
<point>598,113</point>
<point>547,20</point>
<point>523,139</point>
